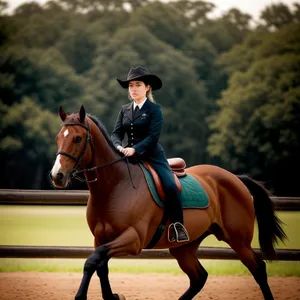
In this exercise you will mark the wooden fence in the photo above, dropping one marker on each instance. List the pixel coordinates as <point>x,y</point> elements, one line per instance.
<point>84,252</point>
<point>65,197</point>
<point>78,197</point>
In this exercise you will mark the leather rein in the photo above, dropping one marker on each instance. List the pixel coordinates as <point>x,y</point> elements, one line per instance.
<point>88,140</point>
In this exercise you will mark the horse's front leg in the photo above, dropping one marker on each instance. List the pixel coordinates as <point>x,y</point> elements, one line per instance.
<point>102,272</point>
<point>89,269</point>
<point>127,243</point>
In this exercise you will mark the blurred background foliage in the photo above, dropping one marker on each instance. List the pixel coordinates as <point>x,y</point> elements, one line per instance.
<point>231,94</point>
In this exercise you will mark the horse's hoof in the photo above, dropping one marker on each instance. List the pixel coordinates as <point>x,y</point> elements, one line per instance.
<point>119,297</point>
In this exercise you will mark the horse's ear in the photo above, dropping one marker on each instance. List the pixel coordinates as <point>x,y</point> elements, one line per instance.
<point>63,114</point>
<point>82,114</point>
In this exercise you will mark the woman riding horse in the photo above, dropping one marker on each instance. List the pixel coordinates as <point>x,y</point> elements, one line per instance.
<point>142,121</point>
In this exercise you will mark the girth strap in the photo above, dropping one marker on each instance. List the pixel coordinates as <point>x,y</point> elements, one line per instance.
<point>159,231</point>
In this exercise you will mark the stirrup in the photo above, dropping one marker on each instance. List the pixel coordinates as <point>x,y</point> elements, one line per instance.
<point>172,238</point>
<point>183,230</point>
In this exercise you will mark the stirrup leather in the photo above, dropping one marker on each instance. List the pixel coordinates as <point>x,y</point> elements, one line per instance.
<point>172,238</point>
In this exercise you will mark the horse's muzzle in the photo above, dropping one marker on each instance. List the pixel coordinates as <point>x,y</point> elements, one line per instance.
<point>59,180</point>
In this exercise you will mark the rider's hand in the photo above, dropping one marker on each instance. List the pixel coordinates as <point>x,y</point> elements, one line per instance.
<point>128,151</point>
<point>120,148</point>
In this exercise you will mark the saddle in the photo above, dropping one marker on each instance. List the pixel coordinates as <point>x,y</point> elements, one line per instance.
<point>177,165</point>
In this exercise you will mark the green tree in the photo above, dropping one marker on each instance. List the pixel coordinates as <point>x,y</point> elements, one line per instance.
<point>196,12</point>
<point>296,12</point>
<point>26,144</point>
<point>164,22</point>
<point>40,27</point>
<point>42,75</point>
<point>27,9</point>
<point>226,31</point>
<point>136,4</point>
<point>78,45</point>
<point>8,28</point>
<point>257,128</point>
<point>277,15</point>
<point>3,6</point>
<point>203,53</point>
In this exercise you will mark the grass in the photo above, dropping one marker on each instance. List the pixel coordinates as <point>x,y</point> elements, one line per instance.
<point>141,266</point>
<point>66,226</point>
<point>44,225</point>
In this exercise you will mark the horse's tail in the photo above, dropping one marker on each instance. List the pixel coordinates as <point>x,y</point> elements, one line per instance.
<point>269,225</point>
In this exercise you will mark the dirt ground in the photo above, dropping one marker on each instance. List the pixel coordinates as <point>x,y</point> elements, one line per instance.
<point>63,286</point>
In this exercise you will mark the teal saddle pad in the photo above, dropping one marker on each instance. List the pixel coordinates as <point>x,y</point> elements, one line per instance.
<point>192,195</point>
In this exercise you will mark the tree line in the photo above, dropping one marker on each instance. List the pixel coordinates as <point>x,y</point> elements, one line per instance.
<point>231,94</point>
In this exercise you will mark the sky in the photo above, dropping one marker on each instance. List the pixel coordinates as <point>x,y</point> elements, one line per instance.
<point>252,7</point>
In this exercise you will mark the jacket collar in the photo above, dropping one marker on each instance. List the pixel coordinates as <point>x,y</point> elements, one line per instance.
<point>144,101</point>
<point>144,109</point>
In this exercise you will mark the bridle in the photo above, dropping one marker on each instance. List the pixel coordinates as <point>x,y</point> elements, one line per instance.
<point>88,140</point>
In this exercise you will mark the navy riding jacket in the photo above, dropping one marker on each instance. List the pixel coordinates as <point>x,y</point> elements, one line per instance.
<point>143,129</point>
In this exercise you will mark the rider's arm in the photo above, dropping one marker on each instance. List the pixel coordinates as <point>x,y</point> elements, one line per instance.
<point>155,127</point>
<point>119,131</point>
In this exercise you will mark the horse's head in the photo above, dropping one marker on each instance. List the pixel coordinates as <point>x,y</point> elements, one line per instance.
<point>73,144</point>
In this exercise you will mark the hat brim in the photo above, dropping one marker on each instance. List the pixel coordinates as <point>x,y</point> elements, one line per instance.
<point>150,79</point>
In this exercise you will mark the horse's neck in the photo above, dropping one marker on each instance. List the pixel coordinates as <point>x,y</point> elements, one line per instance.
<point>110,176</point>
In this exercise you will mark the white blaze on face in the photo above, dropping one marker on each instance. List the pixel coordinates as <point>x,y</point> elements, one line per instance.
<point>66,133</point>
<point>56,166</point>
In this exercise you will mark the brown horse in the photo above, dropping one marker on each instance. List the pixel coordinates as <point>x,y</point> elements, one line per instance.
<point>123,217</point>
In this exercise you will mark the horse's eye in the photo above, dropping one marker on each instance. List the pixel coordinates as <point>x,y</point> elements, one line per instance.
<point>77,139</point>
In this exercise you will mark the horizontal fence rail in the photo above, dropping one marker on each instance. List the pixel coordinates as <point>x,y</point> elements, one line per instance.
<point>84,252</point>
<point>44,197</point>
<point>79,197</point>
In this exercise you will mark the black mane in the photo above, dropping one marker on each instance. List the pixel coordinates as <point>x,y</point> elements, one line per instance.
<point>104,132</point>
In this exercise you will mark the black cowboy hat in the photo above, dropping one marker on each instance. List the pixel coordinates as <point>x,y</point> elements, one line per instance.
<point>141,74</point>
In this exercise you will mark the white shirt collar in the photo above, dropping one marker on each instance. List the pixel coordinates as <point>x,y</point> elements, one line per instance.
<point>139,105</point>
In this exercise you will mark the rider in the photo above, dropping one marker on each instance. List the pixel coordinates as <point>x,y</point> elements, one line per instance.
<point>142,121</point>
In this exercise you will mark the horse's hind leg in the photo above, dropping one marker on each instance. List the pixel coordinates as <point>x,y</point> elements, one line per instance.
<point>256,266</point>
<point>186,257</point>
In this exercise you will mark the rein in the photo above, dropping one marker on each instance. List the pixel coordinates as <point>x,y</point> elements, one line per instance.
<point>76,172</point>
<point>88,139</point>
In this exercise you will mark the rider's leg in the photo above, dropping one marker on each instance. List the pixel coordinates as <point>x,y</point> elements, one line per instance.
<point>173,202</point>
